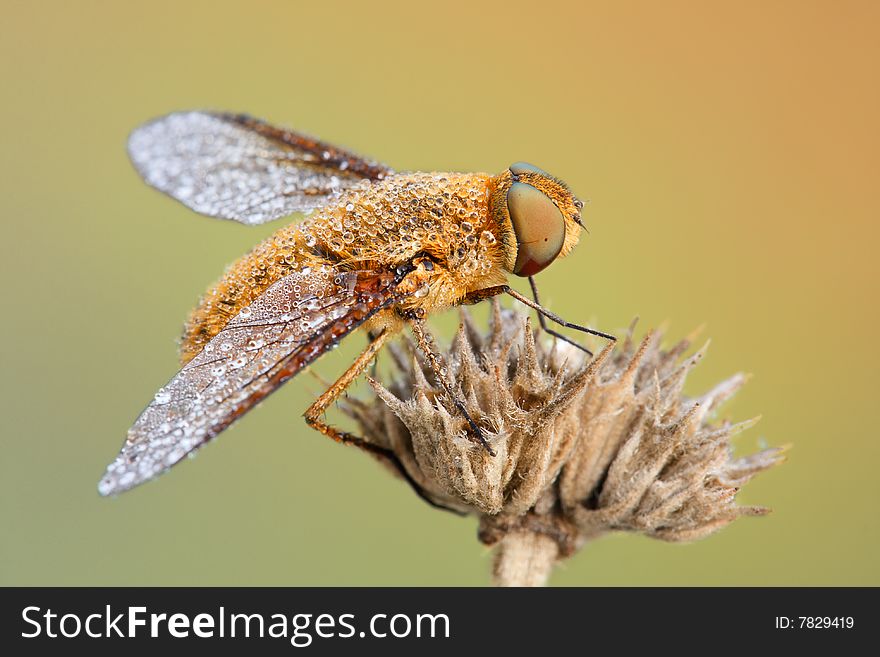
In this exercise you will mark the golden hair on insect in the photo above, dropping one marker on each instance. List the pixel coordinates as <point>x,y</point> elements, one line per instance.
<point>539,217</point>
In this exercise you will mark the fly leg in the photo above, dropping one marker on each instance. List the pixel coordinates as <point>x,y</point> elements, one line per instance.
<point>480,295</point>
<point>370,337</point>
<point>314,416</point>
<point>543,322</point>
<point>316,411</point>
<point>435,362</point>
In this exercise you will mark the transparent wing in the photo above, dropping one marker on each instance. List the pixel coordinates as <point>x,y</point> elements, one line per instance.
<point>292,323</point>
<point>237,167</point>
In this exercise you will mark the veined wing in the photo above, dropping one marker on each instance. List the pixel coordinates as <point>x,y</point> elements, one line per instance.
<point>237,167</point>
<point>292,323</point>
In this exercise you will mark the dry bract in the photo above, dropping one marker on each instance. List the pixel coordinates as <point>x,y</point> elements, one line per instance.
<point>582,448</point>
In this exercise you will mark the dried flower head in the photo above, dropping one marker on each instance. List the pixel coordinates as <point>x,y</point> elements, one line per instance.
<point>581,447</point>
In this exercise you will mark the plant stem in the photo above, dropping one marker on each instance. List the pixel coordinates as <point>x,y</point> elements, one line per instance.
<point>524,558</point>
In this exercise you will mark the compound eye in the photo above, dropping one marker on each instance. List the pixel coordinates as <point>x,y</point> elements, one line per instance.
<point>519,168</point>
<point>539,227</point>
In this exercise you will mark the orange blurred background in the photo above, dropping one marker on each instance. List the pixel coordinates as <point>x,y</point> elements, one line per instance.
<point>730,156</point>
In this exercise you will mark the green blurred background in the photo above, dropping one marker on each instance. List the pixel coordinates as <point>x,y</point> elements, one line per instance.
<point>730,158</point>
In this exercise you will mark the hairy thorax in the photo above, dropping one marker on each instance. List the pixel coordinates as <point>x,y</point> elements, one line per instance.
<point>443,220</point>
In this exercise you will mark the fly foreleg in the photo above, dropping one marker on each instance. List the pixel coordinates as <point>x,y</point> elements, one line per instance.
<point>543,313</point>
